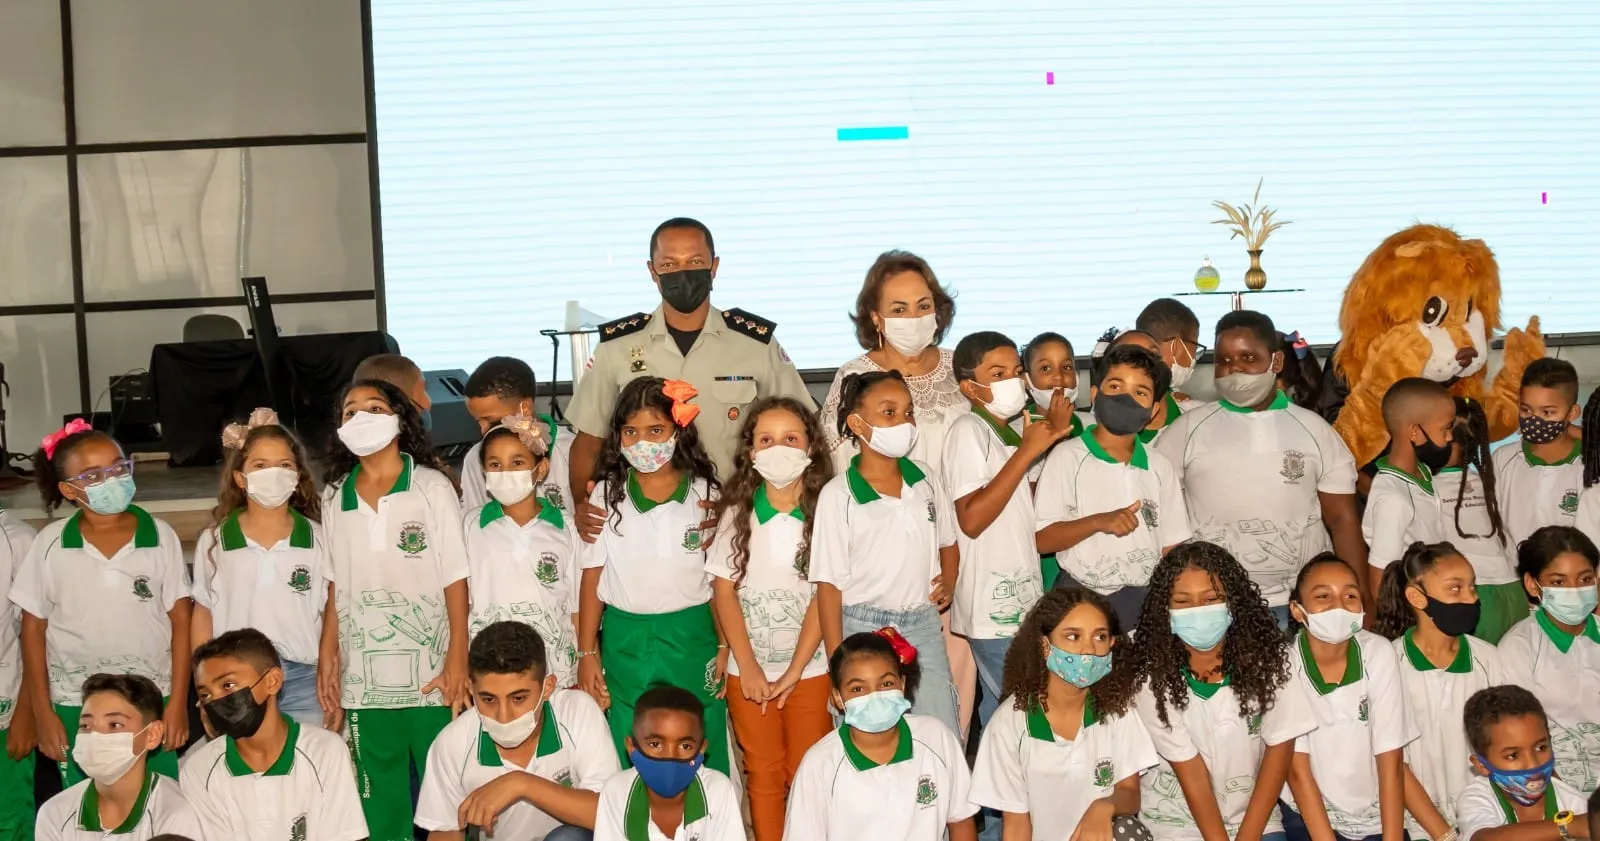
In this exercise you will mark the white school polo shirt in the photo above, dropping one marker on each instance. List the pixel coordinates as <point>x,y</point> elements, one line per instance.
<point>390,569</point>
<point>710,810</point>
<point>1481,807</point>
<point>774,593</point>
<point>309,793</point>
<point>1564,671</point>
<point>1081,479</point>
<point>74,814</point>
<point>1231,746</point>
<point>474,486</point>
<point>574,750</point>
<point>1024,767</point>
<point>280,591</point>
<point>1363,715</point>
<point>1491,563</point>
<point>15,538</point>
<point>1535,493</point>
<point>840,794</point>
<point>526,574</point>
<point>1251,482</point>
<point>104,614</point>
<point>880,550</point>
<point>1588,517</point>
<point>1401,509</point>
<point>653,559</point>
<point>999,579</point>
<point>1440,756</point>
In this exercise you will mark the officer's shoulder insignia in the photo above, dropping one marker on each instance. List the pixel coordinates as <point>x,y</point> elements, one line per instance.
<point>625,326</point>
<point>749,324</point>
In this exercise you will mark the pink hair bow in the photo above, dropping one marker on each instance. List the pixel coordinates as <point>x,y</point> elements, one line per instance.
<point>233,434</point>
<point>529,431</point>
<point>54,439</point>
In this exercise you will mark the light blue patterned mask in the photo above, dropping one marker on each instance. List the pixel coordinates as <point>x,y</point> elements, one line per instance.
<point>1080,670</point>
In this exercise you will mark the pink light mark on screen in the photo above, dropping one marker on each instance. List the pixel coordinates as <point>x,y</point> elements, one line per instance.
<point>1050,78</point>
<point>1544,198</point>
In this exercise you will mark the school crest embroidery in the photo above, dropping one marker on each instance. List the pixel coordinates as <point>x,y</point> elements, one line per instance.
<point>1253,726</point>
<point>297,830</point>
<point>5,705</point>
<point>552,494</point>
<point>141,588</point>
<point>1151,512</point>
<point>1104,773</point>
<point>546,570</point>
<point>1364,711</point>
<point>564,778</point>
<point>691,539</point>
<point>800,561</point>
<point>1294,467</point>
<point>413,539</point>
<point>927,791</point>
<point>1569,502</point>
<point>300,579</point>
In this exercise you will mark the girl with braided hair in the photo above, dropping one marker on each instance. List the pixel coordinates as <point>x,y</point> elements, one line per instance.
<point>1472,523</point>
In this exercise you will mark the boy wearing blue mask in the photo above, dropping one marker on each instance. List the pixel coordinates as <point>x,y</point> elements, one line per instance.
<point>668,794</point>
<point>1515,794</point>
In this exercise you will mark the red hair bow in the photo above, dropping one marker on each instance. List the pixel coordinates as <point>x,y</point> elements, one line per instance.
<point>904,650</point>
<point>54,439</point>
<point>680,393</point>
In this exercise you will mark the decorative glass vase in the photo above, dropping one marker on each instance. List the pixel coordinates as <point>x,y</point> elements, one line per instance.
<point>1255,278</point>
<point>1207,279</point>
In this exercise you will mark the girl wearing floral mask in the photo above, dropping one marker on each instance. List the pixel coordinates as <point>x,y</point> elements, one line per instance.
<point>264,564</point>
<point>646,572</point>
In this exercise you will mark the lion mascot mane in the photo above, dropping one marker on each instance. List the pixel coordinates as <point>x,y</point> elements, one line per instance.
<point>1426,303</point>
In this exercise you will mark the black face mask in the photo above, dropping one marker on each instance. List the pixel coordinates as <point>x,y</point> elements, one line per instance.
<point>1453,619</point>
<point>685,291</point>
<point>237,715</point>
<point>1120,414</point>
<point>1435,456</point>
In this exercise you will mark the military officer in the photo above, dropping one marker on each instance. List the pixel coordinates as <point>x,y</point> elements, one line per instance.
<point>730,356</point>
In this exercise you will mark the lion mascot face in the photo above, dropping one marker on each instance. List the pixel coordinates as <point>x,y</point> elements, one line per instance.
<point>1426,303</point>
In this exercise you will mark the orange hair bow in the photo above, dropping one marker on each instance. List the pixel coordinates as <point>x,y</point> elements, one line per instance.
<point>680,393</point>
<point>903,649</point>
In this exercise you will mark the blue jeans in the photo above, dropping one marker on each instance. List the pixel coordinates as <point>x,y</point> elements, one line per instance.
<point>298,697</point>
<point>574,833</point>
<point>936,696</point>
<point>1294,828</point>
<point>990,657</point>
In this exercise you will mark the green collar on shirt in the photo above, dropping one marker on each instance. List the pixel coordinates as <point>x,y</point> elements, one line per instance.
<point>233,535</point>
<point>89,808</point>
<point>1563,640</point>
<point>1008,436</point>
<point>1203,689</point>
<point>1140,459</point>
<point>145,534</point>
<point>492,510</point>
<point>643,503</point>
<point>1174,411</point>
<point>765,511</point>
<point>1279,401</point>
<point>862,490</point>
<point>859,760</point>
<point>1535,461</point>
<point>280,767</point>
<point>1039,725</point>
<point>636,816</point>
<point>1419,661</point>
<point>1511,814</point>
<point>349,500</point>
<point>1423,481</point>
<point>549,740</point>
<point>1352,667</point>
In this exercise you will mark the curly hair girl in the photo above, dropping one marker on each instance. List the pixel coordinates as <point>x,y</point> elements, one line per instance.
<point>735,504</point>
<point>1027,674</point>
<point>413,437</point>
<point>644,408</point>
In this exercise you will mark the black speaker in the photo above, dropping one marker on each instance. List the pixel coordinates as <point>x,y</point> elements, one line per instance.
<point>454,431</point>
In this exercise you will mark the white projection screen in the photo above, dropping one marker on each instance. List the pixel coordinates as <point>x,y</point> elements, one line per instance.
<point>1055,161</point>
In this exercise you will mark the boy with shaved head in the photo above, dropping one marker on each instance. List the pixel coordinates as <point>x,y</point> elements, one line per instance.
<point>1402,506</point>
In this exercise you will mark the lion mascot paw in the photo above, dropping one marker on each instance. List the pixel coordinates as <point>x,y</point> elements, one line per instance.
<point>1426,304</point>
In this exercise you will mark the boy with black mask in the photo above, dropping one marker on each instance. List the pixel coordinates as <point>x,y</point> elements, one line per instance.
<point>1402,507</point>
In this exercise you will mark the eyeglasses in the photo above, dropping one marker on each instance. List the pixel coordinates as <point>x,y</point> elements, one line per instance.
<point>98,475</point>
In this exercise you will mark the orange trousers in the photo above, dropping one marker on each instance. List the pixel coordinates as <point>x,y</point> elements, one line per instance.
<point>774,744</point>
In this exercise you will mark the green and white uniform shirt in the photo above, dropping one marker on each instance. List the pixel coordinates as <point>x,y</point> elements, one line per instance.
<point>1440,757</point>
<point>1588,517</point>
<point>774,594</point>
<point>1491,563</point>
<point>1175,409</point>
<point>1401,509</point>
<point>1564,671</point>
<point>474,488</point>
<point>74,814</point>
<point>1081,479</point>
<point>280,591</point>
<point>390,569</point>
<point>1535,493</point>
<point>710,810</point>
<point>1361,716</point>
<point>880,550</point>
<point>1482,806</point>
<point>1231,746</point>
<point>105,614</point>
<point>840,794</point>
<point>308,794</point>
<point>999,580</point>
<point>15,538</point>
<point>652,555</point>
<point>574,749</point>
<point>1023,767</point>
<point>526,574</point>
<point>1251,481</point>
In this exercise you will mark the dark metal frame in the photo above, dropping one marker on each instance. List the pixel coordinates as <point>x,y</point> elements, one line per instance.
<point>71,151</point>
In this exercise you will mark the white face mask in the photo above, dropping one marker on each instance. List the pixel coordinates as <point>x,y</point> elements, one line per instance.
<point>781,465</point>
<point>368,432</point>
<point>509,487</point>
<point>106,757</point>
<point>1007,398</point>
<point>893,441</point>
<point>514,732</point>
<point>271,487</point>
<point>1043,396</point>
<point>1180,372</point>
<point>1242,389</point>
<point>911,336</point>
<point>1334,626</point>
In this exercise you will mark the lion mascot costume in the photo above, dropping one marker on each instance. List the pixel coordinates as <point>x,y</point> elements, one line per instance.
<point>1426,304</point>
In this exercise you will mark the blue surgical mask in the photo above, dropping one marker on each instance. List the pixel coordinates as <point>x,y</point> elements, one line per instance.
<point>1202,628</point>
<point>1569,605</point>
<point>1525,787</point>
<point>876,712</point>
<point>113,496</point>
<point>1080,670</point>
<point>666,777</point>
